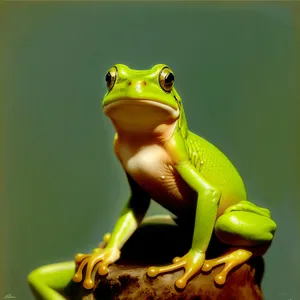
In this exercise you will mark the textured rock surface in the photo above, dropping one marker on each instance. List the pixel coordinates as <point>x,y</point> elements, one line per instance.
<point>159,244</point>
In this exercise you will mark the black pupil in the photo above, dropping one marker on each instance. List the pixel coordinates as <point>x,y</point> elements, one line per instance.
<point>169,78</point>
<point>108,77</point>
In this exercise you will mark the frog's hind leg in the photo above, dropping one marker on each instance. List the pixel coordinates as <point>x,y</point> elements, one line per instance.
<point>47,282</point>
<point>246,227</point>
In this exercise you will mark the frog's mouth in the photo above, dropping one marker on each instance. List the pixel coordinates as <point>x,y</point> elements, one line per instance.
<point>140,114</point>
<point>140,102</point>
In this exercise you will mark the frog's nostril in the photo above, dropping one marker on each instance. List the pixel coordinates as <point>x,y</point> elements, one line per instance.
<point>138,83</point>
<point>141,83</point>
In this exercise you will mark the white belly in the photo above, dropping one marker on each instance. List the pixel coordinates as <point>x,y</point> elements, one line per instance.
<point>152,168</point>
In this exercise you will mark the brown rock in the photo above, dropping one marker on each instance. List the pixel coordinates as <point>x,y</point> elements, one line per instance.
<point>158,245</point>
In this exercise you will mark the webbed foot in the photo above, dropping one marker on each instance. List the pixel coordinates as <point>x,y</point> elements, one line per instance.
<point>99,261</point>
<point>231,260</point>
<point>192,263</point>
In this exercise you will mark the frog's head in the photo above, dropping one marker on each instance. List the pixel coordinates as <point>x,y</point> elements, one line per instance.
<point>140,100</point>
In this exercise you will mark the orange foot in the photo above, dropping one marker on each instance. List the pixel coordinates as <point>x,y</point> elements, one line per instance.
<point>230,259</point>
<point>192,263</point>
<point>99,261</point>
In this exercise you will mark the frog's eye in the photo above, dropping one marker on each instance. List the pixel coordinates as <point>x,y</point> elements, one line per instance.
<point>166,79</point>
<point>111,77</point>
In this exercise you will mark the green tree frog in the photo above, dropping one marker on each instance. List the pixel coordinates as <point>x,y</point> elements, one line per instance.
<point>165,161</point>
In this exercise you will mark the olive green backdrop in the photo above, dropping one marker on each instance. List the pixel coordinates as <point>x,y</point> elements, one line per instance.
<point>236,68</point>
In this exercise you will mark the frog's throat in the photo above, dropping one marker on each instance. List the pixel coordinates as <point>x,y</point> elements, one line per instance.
<point>141,117</point>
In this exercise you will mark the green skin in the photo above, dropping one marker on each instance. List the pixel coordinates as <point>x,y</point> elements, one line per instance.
<point>166,162</point>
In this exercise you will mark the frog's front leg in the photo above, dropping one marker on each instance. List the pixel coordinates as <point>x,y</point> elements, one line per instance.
<point>206,214</point>
<point>246,227</point>
<point>99,261</point>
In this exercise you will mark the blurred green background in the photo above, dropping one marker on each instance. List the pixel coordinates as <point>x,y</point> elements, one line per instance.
<point>237,70</point>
